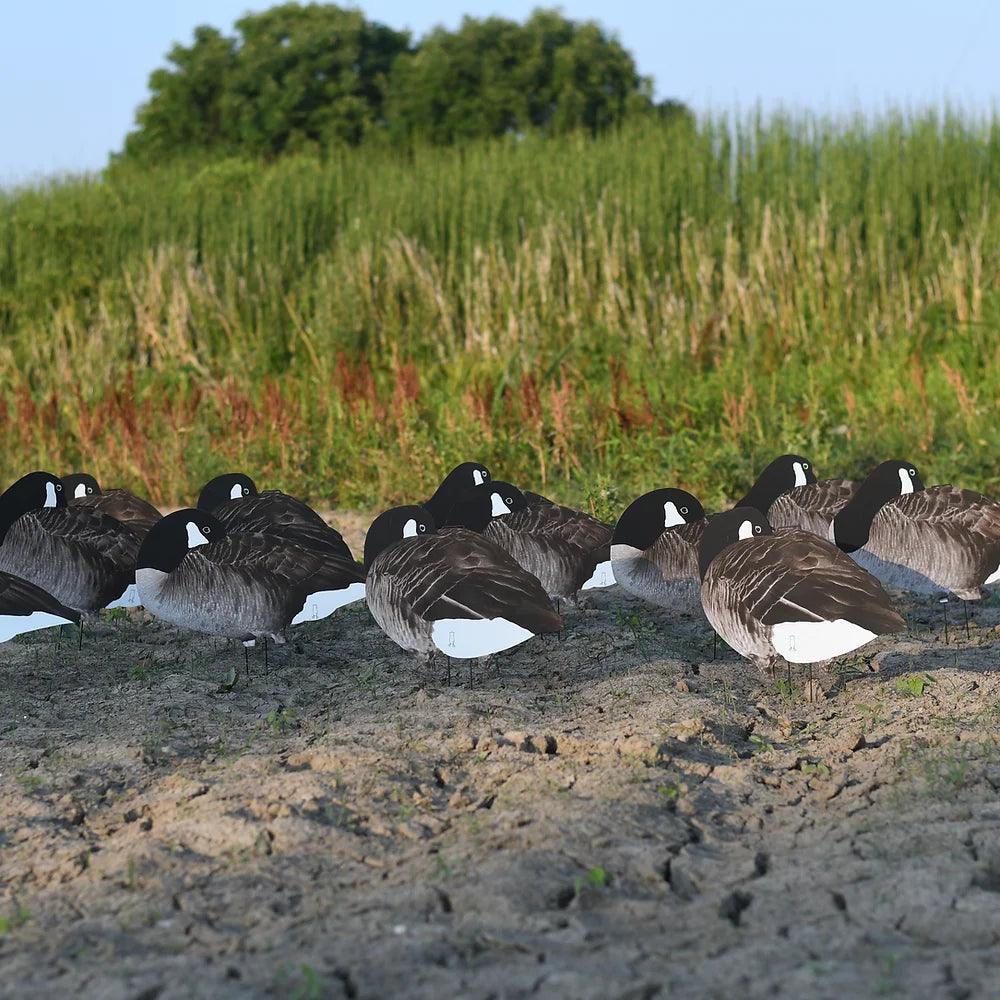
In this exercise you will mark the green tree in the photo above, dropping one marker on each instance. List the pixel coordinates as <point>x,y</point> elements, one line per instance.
<point>292,76</point>
<point>495,76</point>
<point>185,110</point>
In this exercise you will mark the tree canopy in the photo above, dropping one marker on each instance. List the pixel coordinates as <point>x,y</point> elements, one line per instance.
<point>318,74</point>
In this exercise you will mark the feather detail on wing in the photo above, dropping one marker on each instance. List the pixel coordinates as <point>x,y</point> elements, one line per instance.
<point>275,513</point>
<point>950,535</point>
<point>138,514</point>
<point>811,507</point>
<point>795,577</point>
<point>460,574</point>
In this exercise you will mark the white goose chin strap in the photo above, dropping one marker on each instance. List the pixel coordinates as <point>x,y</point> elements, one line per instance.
<point>905,483</point>
<point>800,474</point>
<point>50,495</point>
<point>746,530</point>
<point>195,536</point>
<point>499,507</point>
<point>671,515</point>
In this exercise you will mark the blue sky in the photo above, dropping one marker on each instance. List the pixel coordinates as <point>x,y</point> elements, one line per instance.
<point>72,73</point>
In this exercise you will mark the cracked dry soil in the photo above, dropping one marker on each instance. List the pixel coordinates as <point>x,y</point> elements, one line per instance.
<point>612,813</point>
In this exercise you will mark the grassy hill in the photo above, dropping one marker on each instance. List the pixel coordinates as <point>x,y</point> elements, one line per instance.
<point>590,317</point>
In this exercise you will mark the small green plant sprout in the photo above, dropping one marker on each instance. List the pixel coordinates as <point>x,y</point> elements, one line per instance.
<point>914,685</point>
<point>595,878</point>
<point>788,692</point>
<point>816,769</point>
<point>20,917</point>
<point>760,745</point>
<point>671,791</point>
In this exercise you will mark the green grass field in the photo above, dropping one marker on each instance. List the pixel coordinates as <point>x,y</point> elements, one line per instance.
<point>590,317</point>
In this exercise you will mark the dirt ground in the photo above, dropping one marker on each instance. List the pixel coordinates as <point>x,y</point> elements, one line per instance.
<point>610,813</point>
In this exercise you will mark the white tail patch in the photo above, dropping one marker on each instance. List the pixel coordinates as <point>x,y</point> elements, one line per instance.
<point>671,515</point>
<point>129,599</point>
<point>465,638</point>
<point>994,577</point>
<point>603,576</point>
<point>809,642</point>
<point>11,625</point>
<point>800,474</point>
<point>325,602</point>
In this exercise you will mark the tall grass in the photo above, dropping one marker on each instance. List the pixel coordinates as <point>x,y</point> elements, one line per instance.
<point>656,306</point>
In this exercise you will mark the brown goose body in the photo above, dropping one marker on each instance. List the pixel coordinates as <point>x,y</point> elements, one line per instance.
<point>238,585</point>
<point>789,595</point>
<point>811,507</point>
<point>25,607</point>
<point>455,592</point>
<point>560,546</point>
<point>940,538</point>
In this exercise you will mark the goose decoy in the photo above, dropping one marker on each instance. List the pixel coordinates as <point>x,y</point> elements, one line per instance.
<point>192,571</point>
<point>456,593</point>
<point>926,540</point>
<point>566,549</point>
<point>463,477</point>
<point>233,498</point>
<point>789,496</point>
<point>25,608</point>
<point>789,595</point>
<point>79,555</point>
<point>83,490</point>
<point>654,549</point>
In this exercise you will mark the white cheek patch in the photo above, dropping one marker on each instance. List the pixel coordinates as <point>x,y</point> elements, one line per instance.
<point>325,602</point>
<point>800,474</point>
<point>671,515</point>
<point>80,491</point>
<point>477,478</point>
<point>906,484</point>
<point>50,495</point>
<point>195,536</point>
<point>410,528</point>
<point>746,530</point>
<point>603,576</point>
<point>11,625</point>
<point>810,642</point>
<point>465,638</point>
<point>499,507</point>
<point>236,493</point>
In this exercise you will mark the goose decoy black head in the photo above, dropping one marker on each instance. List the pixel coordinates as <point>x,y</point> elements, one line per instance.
<point>79,485</point>
<point>393,526</point>
<point>170,540</point>
<point>31,492</point>
<point>476,507</point>
<point>728,527</point>
<point>654,549</point>
<point>463,477</point>
<point>645,519</point>
<point>229,486</point>
<point>895,478</point>
<point>783,474</point>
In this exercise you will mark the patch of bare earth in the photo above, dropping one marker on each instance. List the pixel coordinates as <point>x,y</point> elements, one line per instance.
<point>612,813</point>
